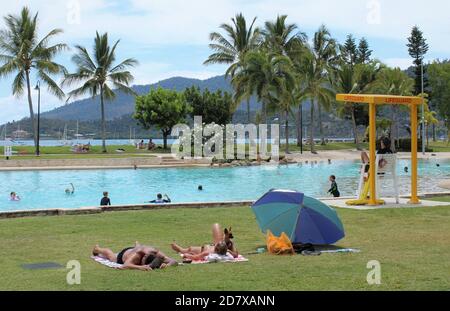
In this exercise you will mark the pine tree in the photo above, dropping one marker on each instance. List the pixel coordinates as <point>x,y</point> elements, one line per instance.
<point>350,51</point>
<point>364,53</point>
<point>417,48</point>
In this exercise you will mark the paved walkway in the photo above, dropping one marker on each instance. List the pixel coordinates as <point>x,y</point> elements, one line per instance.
<point>390,203</point>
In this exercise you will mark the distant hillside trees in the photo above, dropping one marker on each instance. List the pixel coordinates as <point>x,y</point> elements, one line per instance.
<point>439,77</point>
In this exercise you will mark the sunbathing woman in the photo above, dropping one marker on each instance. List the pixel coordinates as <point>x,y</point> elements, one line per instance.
<point>222,244</point>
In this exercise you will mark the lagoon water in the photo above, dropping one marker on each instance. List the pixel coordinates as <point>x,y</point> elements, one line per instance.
<point>45,189</point>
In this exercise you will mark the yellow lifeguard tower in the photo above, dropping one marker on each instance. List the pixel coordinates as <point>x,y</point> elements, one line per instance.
<point>373,101</point>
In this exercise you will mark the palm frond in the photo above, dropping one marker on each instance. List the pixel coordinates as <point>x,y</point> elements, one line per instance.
<point>52,86</point>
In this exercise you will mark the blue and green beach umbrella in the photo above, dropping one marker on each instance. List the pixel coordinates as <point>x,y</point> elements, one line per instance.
<point>303,219</point>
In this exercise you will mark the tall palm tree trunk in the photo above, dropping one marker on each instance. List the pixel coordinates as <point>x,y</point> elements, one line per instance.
<point>248,111</point>
<point>434,132</point>
<point>30,105</point>
<point>102,105</point>
<point>319,112</point>
<point>299,126</point>
<point>311,129</point>
<point>263,113</point>
<point>286,132</point>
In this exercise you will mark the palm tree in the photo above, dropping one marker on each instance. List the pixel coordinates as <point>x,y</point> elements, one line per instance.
<point>285,39</point>
<point>282,38</point>
<point>394,82</point>
<point>324,49</point>
<point>270,77</point>
<point>345,82</point>
<point>256,77</point>
<point>22,52</point>
<point>232,47</point>
<point>100,74</point>
<point>355,79</point>
<point>314,86</point>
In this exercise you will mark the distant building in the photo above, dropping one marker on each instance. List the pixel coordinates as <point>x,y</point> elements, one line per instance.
<point>20,134</point>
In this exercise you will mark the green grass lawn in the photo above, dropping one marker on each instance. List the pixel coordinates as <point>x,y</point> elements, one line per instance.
<point>412,246</point>
<point>439,146</point>
<point>57,152</point>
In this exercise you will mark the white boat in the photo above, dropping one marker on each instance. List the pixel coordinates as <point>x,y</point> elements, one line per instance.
<point>64,140</point>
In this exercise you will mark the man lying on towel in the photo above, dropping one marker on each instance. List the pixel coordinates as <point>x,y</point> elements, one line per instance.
<point>139,257</point>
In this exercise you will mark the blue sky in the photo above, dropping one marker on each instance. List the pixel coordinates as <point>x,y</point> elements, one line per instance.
<point>170,37</point>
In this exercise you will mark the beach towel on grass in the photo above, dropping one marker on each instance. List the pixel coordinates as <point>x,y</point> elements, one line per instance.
<point>106,262</point>
<point>214,258</point>
<point>211,258</point>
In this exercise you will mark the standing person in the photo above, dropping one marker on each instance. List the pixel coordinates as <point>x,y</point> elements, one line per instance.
<point>334,187</point>
<point>105,200</point>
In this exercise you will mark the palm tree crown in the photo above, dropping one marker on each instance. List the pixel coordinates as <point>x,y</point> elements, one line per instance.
<point>99,75</point>
<point>232,47</point>
<point>21,52</point>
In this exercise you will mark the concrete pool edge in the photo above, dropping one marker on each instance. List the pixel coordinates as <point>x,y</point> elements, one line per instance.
<point>150,207</point>
<point>118,208</point>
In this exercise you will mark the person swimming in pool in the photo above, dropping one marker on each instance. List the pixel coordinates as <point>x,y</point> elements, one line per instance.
<point>14,197</point>
<point>160,199</point>
<point>139,257</point>
<point>70,191</point>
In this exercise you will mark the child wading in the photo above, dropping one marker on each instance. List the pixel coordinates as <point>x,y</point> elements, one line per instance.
<point>334,187</point>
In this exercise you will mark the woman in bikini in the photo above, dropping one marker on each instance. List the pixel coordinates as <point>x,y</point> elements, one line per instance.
<point>221,245</point>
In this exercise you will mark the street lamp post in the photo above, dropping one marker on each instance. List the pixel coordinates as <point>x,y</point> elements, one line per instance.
<point>423,115</point>
<point>38,88</point>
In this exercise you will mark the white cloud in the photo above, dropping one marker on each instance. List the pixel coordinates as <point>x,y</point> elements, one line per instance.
<point>189,22</point>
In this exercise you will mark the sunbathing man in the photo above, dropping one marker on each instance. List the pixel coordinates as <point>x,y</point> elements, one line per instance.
<point>222,244</point>
<point>156,257</point>
<point>139,257</point>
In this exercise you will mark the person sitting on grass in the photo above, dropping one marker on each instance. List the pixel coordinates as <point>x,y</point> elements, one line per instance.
<point>139,257</point>
<point>151,145</point>
<point>222,245</point>
<point>161,200</point>
<point>334,187</point>
<point>105,200</point>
